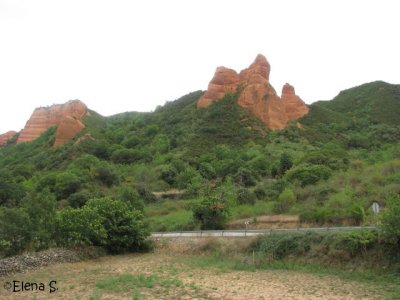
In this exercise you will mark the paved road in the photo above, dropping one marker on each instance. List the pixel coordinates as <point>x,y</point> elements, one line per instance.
<point>253,232</point>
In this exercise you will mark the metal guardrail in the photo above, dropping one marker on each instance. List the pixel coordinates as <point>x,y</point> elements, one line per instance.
<point>252,232</point>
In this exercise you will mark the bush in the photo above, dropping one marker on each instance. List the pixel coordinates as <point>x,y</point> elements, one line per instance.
<point>126,156</point>
<point>211,212</point>
<point>279,246</point>
<point>285,200</point>
<point>244,196</point>
<point>306,175</point>
<point>66,184</point>
<point>285,163</point>
<point>125,228</point>
<point>244,177</point>
<point>41,208</point>
<point>390,221</point>
<point>168,174</point>
<point>348,244</point>
<point>10,191</point>
<point>15,231</point>
<point>131,197</point>
<point>103,222</point>
<point>80,226</point>
<point>146,195</point>
<point>106,176</point>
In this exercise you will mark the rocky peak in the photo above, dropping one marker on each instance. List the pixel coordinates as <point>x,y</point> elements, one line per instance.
<point>67,117</point>
<point>288,89</point>
<point>260,67</point>
<point>5,137</point>
<point>257,94</point>
<point>295,107</point>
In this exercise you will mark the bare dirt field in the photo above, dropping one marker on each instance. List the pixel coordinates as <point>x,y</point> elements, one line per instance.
<point>170,274</point>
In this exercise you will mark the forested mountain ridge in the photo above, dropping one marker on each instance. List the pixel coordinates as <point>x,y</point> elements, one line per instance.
<point>328,167</point>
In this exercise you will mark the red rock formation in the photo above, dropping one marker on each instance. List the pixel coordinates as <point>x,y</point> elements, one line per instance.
<point>225,80</point>
<point>256,95</point>
<point>4,138</point>
<point>295,107</point>
<point>67,117</point>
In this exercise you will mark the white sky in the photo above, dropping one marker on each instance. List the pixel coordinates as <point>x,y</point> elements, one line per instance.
<point>133,55</point>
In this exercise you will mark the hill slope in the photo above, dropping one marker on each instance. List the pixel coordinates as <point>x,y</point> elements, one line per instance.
<point>343,157</point>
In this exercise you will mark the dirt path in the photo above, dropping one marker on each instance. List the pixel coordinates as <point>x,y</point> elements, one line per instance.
<point>173,276</point>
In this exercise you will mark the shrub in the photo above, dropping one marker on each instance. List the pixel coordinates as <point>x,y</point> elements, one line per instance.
<point>126,156</point>
<point>168,174</point>
<point>244,177</point>
<point>211,212</point>
<point>244,196</point>
<point>285,163</point>
<point>186,177</point>
<point>279,246</point>
<point>125,228</point>
<point>390,221</point>
<point>306,175</point>
<point>10,191</point>
<point>103,222</point>
<point>80,226</point>
<point>355,242</point>
<point>131,197</point>
<point>106,176</point>
<point>146,195</point>
<point>285,200</point>
<point>67,183</point>
<point>41,208</point>
<point>15,231</point>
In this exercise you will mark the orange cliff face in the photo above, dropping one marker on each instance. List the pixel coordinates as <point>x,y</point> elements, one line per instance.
<point>294,106</point>
<point>67,117</point>
<point>4,138</point>
<point>256,95</point>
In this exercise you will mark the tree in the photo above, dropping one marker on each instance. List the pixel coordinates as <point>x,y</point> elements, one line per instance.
<point>126,156</point>
<point>103,222</point>
<point>246,197</point>
<point>67,183</point>
<point>212,210</point>
<point>390,221</point>
<point>15,231</point>
<point>80,226</point>
<point>285,200</point>
<point>10,191</point>
<point>131,197</point>
<point>306,175</point>
<point>125,228</point>
<point>244,177</point>
<point>285,163</point>
<point>106,175</point>
<point>41,208</point>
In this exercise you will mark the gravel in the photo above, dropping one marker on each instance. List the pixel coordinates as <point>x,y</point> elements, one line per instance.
<point>21,263</point>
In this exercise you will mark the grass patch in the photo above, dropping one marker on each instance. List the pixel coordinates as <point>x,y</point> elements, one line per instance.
<point>126,282</point>
<point>177,220</point>
<point>252,211</point>
<point>137,284</point>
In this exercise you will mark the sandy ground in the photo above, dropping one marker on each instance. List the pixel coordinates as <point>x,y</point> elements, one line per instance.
<point>177,276</point>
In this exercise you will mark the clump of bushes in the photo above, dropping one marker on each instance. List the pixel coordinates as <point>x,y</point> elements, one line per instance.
<point>103,222</point>
<point>316,244</point>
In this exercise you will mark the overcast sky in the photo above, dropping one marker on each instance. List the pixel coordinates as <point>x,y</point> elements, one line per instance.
<point>121,56</point>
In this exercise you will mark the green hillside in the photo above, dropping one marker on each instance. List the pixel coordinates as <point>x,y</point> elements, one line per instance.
<point>377,102</point>
<point>215,165</point>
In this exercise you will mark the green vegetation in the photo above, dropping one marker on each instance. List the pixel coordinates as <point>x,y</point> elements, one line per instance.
<point>220,163</point>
